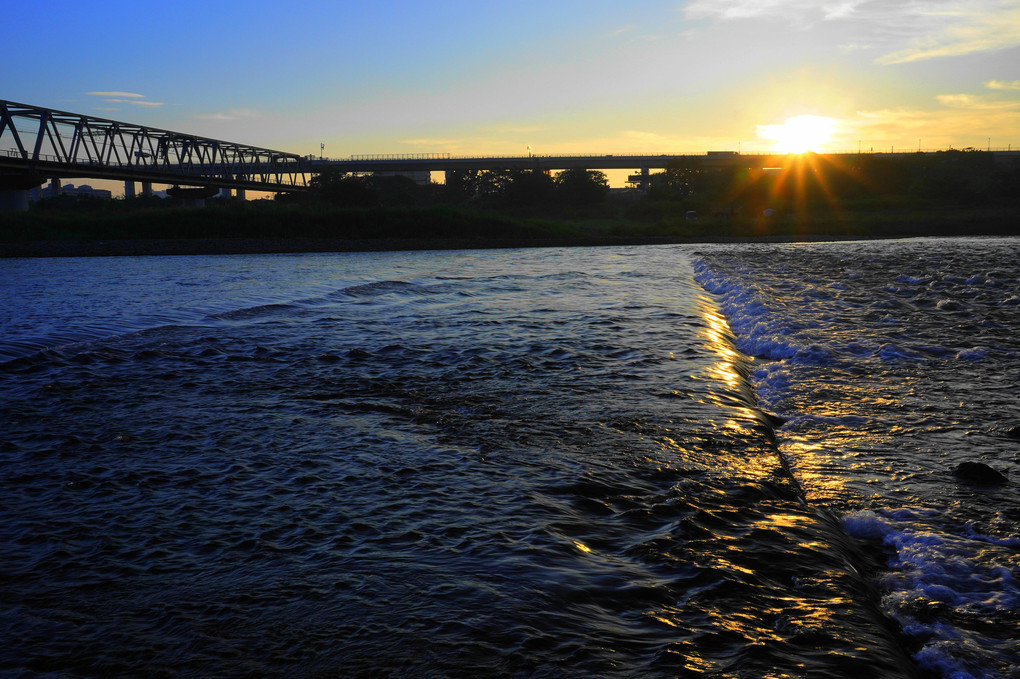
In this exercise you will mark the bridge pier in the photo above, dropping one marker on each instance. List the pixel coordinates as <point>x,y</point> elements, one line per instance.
<point>129,189</point>
<point>14,200</point>
<point>14,190</point>
<point>147,189</point>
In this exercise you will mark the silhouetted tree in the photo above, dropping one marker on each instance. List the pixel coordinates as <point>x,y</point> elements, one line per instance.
<point>494,183</point>
<point>529,188</point>
<point>681,179</point>
<point>339,188</point>
<point>462,185</point>
<point>581,187</point>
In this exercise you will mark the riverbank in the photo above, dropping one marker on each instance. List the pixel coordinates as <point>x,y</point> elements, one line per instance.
<point>246,246</point>
<point>269,228</point>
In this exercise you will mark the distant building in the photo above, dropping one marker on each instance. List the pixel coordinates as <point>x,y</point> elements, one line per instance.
<point>47,192</point>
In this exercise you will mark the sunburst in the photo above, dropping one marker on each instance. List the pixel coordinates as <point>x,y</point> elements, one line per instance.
<point>799,134</point>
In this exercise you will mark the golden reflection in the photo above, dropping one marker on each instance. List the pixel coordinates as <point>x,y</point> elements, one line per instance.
<point>725,371</point>
<point>719,340</point>
<point>583,547</point>
<point>663,620</point>
<point>811,462</point>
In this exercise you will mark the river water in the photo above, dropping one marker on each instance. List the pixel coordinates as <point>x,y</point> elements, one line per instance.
<point>669,461</point>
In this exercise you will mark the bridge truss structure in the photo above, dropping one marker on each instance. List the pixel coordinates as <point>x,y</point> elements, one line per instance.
<point>41,142</point>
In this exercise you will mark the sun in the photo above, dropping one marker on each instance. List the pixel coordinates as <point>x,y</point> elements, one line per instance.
<point>799,134</point>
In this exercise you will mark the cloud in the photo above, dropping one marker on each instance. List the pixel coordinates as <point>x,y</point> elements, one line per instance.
<point>747,9</point>
<point>1003,85</point>
<point>135,102</point>
<point>232,114</point>
<point>117,94</point>
<point>910,128</point>
<point>622,30</point>
<point>963,28</point>
<point>971,101</point>
<point>118,97</point>
<point>928,28</point>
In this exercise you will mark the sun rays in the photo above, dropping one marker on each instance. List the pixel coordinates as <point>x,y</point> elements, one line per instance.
<point>799,134</point>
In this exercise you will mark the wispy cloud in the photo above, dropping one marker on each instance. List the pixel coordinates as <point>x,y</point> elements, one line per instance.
<point>117,94</point>
<point>972,101</point>
<point>923,29</point>
<point>1003,84</point>
<point>963,28</point>
<point>622,30</point>
<point>796,9</point>
<point>886,128</point>
<point>232,114</point>
<point>120,97</point>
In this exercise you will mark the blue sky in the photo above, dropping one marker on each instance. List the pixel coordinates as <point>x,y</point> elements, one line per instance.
<point>496,77</point>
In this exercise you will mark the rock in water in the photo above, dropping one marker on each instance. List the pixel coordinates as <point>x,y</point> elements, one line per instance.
<point>979,473</point>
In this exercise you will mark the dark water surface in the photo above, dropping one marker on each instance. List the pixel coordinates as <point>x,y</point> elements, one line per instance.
<point>534,463</point>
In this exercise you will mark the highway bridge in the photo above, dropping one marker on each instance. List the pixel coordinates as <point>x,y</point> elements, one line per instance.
<point>39,144</point>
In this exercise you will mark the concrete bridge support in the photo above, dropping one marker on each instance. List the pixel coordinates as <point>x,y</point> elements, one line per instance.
<point>14,190</point>
<point>14,199</point>
<point>129,189</point>
<point>147,189</point>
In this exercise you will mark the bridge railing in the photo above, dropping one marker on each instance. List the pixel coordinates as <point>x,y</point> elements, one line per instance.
<point>871,150</point>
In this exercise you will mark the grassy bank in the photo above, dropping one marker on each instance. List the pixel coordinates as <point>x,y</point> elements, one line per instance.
<point>266,219</point>
<point>265,226</point>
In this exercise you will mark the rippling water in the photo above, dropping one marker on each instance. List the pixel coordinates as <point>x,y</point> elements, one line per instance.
<point>536,463</point>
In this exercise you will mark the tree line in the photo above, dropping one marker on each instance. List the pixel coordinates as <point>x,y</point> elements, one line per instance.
<point>799,182</point>
<point>811,181</point>
<point>486,188</point>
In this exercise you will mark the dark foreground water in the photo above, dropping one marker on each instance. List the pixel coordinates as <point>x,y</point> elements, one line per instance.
<point>536,463</point>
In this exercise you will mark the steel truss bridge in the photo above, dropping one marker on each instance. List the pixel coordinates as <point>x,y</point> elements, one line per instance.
<point>38,143</point>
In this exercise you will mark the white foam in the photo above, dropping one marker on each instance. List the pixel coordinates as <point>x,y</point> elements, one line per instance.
<point>932,570</point>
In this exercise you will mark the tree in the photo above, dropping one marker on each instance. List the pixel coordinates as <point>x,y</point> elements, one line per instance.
<point>343,189</point>
<point>462,184</point>
<point>578,186</point>
<point>683,177</point>
<point>529,187</point>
